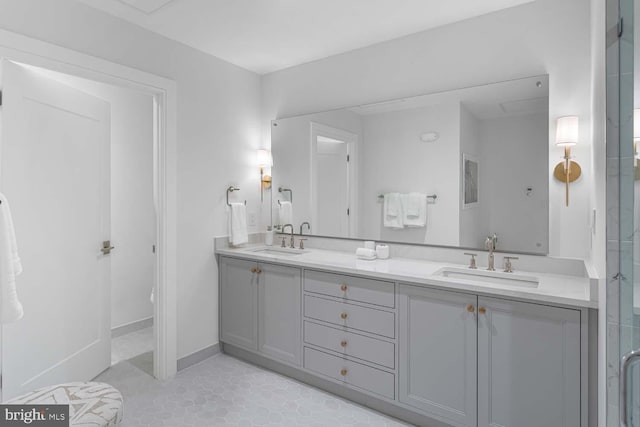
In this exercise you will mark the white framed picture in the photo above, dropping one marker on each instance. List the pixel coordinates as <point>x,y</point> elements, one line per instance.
<point>470,181</point>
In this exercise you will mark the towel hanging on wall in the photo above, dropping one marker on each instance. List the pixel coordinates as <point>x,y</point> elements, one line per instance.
<point>238,224</point>
<point>10,266</point>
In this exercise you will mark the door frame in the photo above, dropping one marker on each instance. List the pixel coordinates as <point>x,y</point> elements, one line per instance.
<point>352,141</point>
<point>26,50</point>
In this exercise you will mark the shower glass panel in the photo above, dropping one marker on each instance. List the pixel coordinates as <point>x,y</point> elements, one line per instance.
<point>623,213</point>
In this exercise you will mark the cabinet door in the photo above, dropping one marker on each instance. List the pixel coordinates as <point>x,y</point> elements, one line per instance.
<point>528,365</point>
<point>280,314</point>
<point>238,305</point>
<point>438,354</point>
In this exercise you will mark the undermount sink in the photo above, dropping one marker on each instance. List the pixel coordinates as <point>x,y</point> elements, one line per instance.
<point>279,251</point>
<point>493,277</point>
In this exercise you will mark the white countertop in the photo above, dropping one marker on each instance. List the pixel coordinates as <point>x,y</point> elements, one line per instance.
<point>552,288</point>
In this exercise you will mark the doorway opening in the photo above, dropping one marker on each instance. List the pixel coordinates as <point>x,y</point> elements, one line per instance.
<point>86,181</point>
<point>333,181</point>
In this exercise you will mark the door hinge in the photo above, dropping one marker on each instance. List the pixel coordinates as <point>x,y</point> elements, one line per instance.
<point>620,27</point>
<point>348,158</point>
<point>348,211</point>
<point>153,249</point>
<point>0,98</point>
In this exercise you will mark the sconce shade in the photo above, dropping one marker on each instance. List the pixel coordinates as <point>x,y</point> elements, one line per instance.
<point>636,124</point>
<point>567,131</point>
<point>264,158</point>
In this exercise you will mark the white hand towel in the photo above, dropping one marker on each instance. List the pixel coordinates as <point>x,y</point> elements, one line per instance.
<point>392,211</point>
<point>364,253</point>
<point>415,209</point>
<point>238,224</point>
<point>10,266</point>
<point>285,212</point>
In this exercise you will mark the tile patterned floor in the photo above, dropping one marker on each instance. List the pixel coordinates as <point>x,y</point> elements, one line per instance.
<point>224,391</point>
<point>131,345</point>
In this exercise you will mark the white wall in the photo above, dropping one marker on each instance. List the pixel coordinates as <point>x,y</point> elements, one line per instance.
<point>133,220</point>
<point>545,36</point>
<point>432,169</point>
<point>218,133</point>
<point>514,151</point>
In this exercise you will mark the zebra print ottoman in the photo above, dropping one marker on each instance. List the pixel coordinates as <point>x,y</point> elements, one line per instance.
<point>91,404</point>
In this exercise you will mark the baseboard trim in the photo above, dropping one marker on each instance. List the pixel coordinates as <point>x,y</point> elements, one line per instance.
<point>131,327</point>
<point>198,356</point>
<point>298,373</point>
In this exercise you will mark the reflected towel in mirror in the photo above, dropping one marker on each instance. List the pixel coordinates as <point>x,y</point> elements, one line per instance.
<point>392,211</point>
<point>285,212</point>
<point>415,208</point>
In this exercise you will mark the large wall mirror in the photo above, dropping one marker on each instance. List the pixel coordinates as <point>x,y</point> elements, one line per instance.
<point>447,168</point>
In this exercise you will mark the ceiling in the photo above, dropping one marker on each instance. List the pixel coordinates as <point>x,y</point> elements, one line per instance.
<point>269,35</point>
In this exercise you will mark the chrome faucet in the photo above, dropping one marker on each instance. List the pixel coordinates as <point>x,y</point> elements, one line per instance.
<point>292,242</point>
<point>308,227</point>
<point>490,244</point>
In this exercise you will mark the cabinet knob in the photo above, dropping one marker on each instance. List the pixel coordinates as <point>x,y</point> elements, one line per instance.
<point>258,271</point>
<point>343,344</point>
<point>482,310</point>
<point>471,308</point>
<point>343,288</point>
<point>254,270</point>
<point>343,315</point>
<point>343,372</point>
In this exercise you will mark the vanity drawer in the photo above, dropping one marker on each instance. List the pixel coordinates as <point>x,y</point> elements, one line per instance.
<point>352,316</point>
<point>371,291</point>
<point>350,344</point>
<point>356,374</point>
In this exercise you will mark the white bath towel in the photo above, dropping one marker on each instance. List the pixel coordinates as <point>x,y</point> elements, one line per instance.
<point>415,209</point>
<point>392,211</point>
<point>238,224</point>
<point>10,266</point>
<point>285,212</point>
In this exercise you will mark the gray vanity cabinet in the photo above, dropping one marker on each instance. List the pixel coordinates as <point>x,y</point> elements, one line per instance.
<point>528,364</point>
<point>239,302</point>
<point>260,308</point>
<point>438,342</point>
<point>279,313</point>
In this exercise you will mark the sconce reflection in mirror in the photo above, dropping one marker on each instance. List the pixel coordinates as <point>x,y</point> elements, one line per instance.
<point>264,161</point>
<point>566,137</point>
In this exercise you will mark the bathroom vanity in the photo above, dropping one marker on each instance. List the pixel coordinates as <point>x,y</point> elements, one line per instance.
<point>432,343</point>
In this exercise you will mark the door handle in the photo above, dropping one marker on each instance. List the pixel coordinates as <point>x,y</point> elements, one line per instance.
<point>106,247</point>
<point>628,361</point>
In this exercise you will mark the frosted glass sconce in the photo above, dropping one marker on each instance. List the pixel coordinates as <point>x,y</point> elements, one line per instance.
<point>264,161</point>
<point>566,137</point>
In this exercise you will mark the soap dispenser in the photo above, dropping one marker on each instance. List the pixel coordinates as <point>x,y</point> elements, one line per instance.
<point>268,236</point>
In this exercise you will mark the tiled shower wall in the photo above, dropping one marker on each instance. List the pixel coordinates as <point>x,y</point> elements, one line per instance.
<point>623,328</point>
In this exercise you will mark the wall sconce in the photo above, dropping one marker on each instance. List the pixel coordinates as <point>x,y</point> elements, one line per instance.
<point>264,160</point>
<point>566,137</point>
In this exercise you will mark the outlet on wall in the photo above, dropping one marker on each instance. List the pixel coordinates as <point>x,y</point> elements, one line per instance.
<point>252,219</point>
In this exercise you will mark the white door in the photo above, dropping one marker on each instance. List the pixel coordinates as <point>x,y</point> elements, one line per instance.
<point>333,181</point>
<point>55,172</point>
<point>332,185</point>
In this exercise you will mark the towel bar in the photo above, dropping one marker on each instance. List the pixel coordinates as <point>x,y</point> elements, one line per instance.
<point>231,190</point>
<point>431,196</point>
<point>284,190</point>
